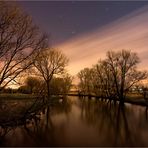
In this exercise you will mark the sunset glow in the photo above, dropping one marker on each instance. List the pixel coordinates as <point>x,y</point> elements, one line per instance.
<point>74,73</point>
<point>128,32</point>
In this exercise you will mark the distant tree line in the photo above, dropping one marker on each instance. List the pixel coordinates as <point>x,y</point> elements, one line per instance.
<point>57,86</point>
<point>113,76</point>
<point>24,48</point>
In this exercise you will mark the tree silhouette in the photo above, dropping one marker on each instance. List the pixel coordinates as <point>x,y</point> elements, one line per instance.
<point>20,42</point>
<point>112,77</point>
<point>50,62</point>
<point>123,68</point>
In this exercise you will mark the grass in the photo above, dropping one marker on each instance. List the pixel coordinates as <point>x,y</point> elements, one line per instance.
<point>137,99</point>
<point>135,96</point>
<point>12,108</point>
<point>17,96</point>
<point>18,103</point>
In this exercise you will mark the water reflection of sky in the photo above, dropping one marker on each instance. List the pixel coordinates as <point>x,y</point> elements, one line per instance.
<point>84,123</point>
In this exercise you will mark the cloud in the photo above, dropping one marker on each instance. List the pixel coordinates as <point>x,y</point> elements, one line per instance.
<point>128,32</point>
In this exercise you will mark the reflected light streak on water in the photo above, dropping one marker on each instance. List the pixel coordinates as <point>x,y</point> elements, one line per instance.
<point>83,122</point>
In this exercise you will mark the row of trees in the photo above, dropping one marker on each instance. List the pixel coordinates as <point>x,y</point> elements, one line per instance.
<point>57,85</point>
<point>112,77</point>
<point>24,49</point>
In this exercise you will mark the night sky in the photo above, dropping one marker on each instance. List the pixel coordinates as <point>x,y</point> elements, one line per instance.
<point>85,30</point>
<point>64,20</point>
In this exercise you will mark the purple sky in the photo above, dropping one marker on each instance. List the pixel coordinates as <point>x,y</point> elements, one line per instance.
<point>86,30</point>
<point>67,19</point>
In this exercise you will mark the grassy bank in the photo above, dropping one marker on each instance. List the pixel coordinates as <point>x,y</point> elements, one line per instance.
<point>17,108</point>
<point>17,96</point>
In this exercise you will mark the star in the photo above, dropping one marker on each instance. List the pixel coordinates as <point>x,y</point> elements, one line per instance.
<point>106,9</point>
<point>73,32</point>
<point>61,17</point>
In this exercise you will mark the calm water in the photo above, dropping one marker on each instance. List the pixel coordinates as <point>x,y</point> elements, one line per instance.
<point>82,122</point>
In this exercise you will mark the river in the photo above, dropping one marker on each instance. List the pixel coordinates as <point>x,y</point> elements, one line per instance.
<point>82,122</point>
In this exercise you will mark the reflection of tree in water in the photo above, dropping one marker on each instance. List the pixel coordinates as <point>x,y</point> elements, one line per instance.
<point>116,125</point>
<point>146,113</point>
<point>43,131</point>
<point>63,106</point>
<point>122,131</point>
<point>3,132</point>
<point>9,127</point>
<point>114,128</point>
<point>36,127</point>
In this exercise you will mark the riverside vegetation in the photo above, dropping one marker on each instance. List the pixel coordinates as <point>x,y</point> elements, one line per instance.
<point>27,60</point>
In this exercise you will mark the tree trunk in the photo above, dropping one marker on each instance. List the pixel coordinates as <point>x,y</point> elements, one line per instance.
<point>122,99</point>
<point>122,93</point>
<point>48,91</point>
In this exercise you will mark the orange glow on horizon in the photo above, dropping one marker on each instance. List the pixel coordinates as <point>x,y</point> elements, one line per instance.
<point>129,32</point>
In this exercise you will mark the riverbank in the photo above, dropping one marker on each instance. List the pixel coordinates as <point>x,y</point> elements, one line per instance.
<point>16,96</point>
<point>80,122</point>
<point>136,99</point>
<point>17,108</point>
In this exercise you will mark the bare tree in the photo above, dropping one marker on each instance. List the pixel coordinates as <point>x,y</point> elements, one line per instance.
<point>60,85</point>
<point>50,62</point>
<point>103,83</point>
<point>112,77</point>
<point>97,80</point>
<point>20,42</point>
<point>32,84</point>
<point>123,68</point>
<point>85,84</point>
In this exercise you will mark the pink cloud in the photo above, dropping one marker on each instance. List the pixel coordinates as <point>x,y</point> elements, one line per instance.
<point>129,32</point>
